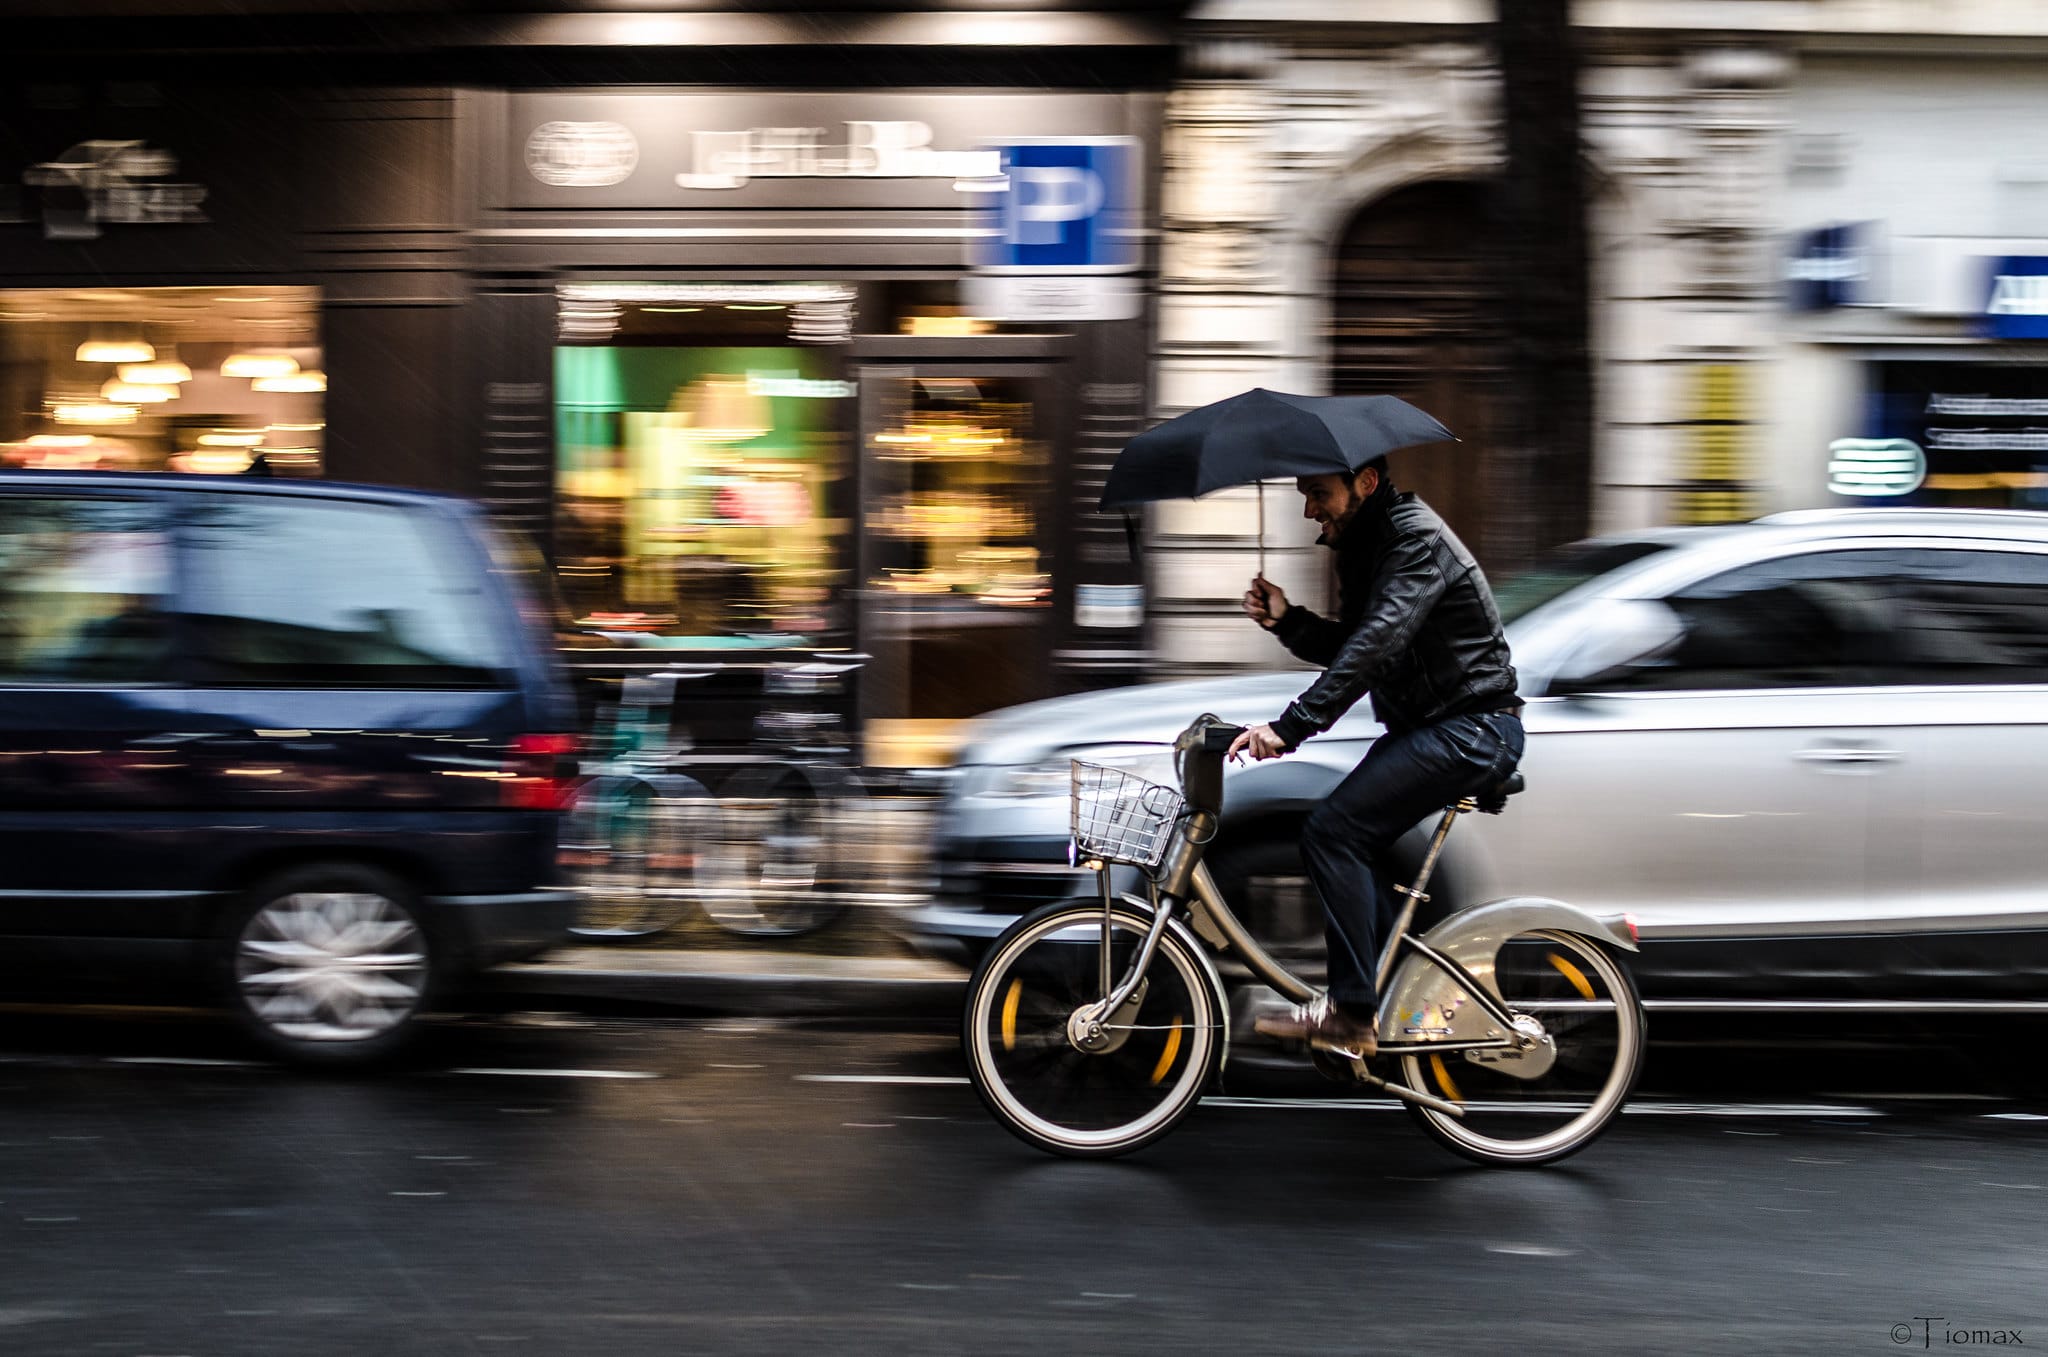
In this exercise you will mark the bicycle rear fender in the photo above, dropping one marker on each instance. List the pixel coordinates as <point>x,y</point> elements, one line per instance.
<point>1424,1003</point>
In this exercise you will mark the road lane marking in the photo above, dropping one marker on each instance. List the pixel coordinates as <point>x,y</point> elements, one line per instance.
<point>558,1074</point>
<point>1632,1109</point>
<point>882,1078</point>
<point>200,1061</point>
<point>1530,1250</point>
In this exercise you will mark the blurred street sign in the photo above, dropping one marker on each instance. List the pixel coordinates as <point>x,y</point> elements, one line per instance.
<point>1868,467</point>
<point>1063,205</point>
<point>2018,306</point>
<point>1035,297</point>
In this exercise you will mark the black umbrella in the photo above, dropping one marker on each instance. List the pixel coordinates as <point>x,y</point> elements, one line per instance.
<point>1263,435</point>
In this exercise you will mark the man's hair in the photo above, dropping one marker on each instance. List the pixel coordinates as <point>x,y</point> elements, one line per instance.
<point>1378,464</point>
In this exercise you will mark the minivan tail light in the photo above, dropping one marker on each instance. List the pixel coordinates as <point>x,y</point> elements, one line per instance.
<point>543,772</point>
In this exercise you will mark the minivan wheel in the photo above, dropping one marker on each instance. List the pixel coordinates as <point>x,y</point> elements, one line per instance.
<point>329,964</point>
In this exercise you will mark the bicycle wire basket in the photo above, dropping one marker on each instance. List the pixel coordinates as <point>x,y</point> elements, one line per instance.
<point>1120,817</point>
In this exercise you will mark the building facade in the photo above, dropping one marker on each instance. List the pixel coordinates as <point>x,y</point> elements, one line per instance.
<point>1799,211</point>
<point>702,304</point>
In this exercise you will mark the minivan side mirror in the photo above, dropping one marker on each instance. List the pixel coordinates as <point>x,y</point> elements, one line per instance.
<point>1625,636</point>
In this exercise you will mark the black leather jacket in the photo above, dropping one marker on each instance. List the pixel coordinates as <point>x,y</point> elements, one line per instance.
<point>1417,627</point>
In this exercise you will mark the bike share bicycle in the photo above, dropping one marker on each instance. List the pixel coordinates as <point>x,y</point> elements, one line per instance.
<point>1510,1031</point>
<point>774,853</point>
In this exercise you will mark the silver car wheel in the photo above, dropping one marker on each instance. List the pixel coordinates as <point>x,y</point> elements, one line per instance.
<point>331,966</point>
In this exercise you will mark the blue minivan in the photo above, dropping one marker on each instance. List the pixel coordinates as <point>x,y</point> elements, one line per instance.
<point>304,743</point>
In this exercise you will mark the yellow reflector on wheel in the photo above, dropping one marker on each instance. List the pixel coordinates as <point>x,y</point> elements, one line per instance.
<point>1573,974</point>
<point>1172,1050</point>
<point>1443,1079</point>
<point>1010,1014</point>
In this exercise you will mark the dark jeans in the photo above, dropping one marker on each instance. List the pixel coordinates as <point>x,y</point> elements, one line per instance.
<point>1402,780</point>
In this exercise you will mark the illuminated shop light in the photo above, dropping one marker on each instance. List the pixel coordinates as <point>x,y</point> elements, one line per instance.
<point>230,438</point>
<point>259,365</point>
<point>115,351</point>
<point>92,412</point>
<point>1875,466</point>
<point>309,380</point>
<point>162,372</point>
<point>297,428</point>
<point>137,393</point>
<point>60,440</point>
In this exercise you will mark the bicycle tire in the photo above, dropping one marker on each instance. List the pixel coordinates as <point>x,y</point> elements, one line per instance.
<point>1177,1031</point>
<point>630,844</point>
<point>1585,963</point>
<point>776,869</point>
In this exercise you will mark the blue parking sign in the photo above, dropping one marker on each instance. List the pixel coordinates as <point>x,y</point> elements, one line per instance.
<point>1069,205</point>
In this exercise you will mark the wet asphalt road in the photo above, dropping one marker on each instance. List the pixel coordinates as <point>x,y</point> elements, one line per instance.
<point>532,1184</point>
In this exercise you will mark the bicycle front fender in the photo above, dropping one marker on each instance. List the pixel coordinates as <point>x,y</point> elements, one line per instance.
<point>1423,1002</point>
<point>1179,927</point>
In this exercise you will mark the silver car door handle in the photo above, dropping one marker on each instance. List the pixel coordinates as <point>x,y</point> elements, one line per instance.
<point>1849,754</point>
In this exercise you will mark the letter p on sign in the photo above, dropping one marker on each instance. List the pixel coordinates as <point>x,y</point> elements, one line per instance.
<point>1069,206</point>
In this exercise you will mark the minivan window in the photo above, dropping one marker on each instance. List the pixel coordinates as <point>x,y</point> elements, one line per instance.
<point>1809,621</point>
<point>330,592</point>
<point>82,590</point>
<point>1969,616</point>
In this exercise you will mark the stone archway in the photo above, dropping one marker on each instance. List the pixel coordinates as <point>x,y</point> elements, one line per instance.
<point>1409,316</point>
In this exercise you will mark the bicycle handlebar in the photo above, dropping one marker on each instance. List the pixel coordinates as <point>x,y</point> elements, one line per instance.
<point>1198,756</point>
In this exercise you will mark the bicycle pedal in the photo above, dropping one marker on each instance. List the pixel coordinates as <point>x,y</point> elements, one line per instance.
<point>1343,1069</point>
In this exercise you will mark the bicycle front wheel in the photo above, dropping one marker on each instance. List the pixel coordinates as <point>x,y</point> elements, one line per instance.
<point>1537,1107</point>
<point>1156,1056</point>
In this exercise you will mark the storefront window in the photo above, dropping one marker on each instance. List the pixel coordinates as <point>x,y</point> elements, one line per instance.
<point>702,435</point>
<point>217,380</point>
<point>960,481</point>
<point>1982,426</point>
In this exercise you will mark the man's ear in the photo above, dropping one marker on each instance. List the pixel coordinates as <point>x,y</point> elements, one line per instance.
<point>1366,481</point>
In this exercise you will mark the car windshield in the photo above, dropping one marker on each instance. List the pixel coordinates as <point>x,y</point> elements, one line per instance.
<point>1565,570</point>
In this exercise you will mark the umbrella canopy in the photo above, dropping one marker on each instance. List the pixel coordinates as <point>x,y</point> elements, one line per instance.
<point>1263,435</point>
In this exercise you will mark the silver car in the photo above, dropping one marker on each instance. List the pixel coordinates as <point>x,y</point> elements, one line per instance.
<point>1806,753</point>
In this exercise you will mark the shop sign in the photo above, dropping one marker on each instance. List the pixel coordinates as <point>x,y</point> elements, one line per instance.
<point>1830,268</point>
<point>96,183</point>
<point>863,150</point>
<point>1109,605</point>
<point>1054,299</point>
<point>1870,467</point>
<point>867,150</point>
<point>2018,305</point>
<point>1715,464</point>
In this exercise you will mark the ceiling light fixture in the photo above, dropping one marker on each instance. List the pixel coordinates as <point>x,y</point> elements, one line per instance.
<point>160,372</point>
<point>259,365</point>
<point>308,380</point>
<point>114,351</point>
<point>137,393</point>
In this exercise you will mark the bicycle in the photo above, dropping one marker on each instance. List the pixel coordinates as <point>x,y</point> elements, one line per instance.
<point>774,853</point>
<point>1093,1027</point>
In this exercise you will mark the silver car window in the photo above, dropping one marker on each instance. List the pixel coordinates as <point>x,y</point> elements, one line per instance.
<point>1816,620</point>
<point>1968,616</point>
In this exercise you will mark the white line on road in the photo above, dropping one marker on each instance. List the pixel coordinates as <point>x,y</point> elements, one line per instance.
<point>561,1074</point>
<point>883,1078</point>
<point>1633,1109</point>
<point>179,1060</point>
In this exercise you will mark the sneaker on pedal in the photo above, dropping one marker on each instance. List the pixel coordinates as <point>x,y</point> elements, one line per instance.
<point>1324,1026</point>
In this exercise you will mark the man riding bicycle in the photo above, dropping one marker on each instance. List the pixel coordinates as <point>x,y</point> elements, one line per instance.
<point>1416,628</point>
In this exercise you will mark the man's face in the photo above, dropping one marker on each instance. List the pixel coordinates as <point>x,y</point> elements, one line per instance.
<point>1333,500</point>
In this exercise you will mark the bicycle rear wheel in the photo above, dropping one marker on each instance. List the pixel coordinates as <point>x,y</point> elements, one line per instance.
<point>780,865</point>
<point>1158,1056</point>
<point>1537,1107</point>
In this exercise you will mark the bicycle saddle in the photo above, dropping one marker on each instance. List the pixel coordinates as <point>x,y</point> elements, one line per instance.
<point>1494,799</point>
